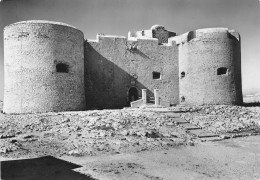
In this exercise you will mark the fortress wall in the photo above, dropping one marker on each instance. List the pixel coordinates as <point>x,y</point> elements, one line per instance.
<point>210,67</point>
<point>45,64</point>
<point>104,80</point>
<point>32,51</point>
<point>115,64</point>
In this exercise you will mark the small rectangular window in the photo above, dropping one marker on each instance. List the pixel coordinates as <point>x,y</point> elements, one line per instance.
<point>62,68</point>
<point>156,75</point>
<point>222,71</point>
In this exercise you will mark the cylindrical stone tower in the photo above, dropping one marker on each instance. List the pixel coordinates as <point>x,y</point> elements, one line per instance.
<point>44,67</point>
<point>210,67</point>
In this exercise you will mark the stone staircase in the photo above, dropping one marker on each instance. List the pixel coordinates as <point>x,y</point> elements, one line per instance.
<point>153,100</point>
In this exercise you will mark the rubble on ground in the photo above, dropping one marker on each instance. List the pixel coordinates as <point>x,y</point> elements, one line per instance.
<point>115,131</point>
<point>223,118</point>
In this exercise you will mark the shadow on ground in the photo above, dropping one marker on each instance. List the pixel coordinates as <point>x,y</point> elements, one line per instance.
<point>251,104</point>
<point>42,168</point>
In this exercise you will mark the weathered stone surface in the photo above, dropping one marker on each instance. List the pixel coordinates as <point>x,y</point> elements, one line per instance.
<point>189,126</point>
<point>112,68</point>
<point>49,67</point>
<point>202,54</point>
<point>179,121</point>
<point>33,53</point>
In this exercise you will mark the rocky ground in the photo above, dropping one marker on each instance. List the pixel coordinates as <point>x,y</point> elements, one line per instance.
<point>221,119</point>
<point>95,132</point>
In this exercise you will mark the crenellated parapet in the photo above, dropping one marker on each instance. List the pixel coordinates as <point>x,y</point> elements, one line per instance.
<point>147,41</point>
<point>207,34</point>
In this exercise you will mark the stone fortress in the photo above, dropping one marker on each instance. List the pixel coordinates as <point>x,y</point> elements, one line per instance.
<point>49,66</point>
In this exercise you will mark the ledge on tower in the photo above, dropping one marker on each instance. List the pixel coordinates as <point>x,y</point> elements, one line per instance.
<point>206,33</point>
<point>41,22</point>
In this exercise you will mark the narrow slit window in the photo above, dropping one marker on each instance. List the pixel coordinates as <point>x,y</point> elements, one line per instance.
<point>182,74</point>
<point>62,68</point>
<point>222,71</point>
<point>191,35</point>
<point>156,75</point>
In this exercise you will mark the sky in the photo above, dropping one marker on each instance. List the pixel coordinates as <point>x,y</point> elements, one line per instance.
<point>118,17</point>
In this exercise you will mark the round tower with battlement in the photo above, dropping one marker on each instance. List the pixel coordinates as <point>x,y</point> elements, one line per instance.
<point>44,67</point>
<point>210,67</point>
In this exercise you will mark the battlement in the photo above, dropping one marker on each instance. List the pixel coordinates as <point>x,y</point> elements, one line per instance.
<point>101,37</point>
<point>206,34</point>
<point>144,40</point>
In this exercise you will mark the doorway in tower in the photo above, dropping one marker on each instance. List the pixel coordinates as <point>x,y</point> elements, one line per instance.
<point>132,94</point>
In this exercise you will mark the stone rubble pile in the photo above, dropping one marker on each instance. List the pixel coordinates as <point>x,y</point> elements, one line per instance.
<point>114,131</point>
<point>222,118</point>
<point>93,132</point>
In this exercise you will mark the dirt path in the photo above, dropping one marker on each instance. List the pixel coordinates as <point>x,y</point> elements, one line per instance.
<point>229,159</point>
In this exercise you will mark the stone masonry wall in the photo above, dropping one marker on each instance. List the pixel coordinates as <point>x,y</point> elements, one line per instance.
<point>49,67</point>
<point>114,64</point>
<point>210,67</point>
<point>33,52</point>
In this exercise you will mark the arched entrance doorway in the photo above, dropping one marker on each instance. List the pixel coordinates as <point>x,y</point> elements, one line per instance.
<point>132,94</point>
